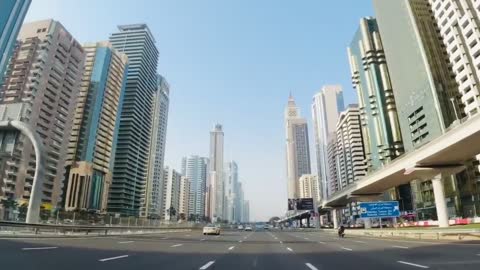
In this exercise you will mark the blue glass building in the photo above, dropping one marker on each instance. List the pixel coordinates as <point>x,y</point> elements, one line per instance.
<point>12,13</point>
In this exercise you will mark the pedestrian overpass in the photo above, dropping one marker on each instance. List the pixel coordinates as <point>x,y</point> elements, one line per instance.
<point>444,155</point>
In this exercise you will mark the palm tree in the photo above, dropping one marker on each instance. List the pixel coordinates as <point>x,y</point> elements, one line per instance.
<point>171,212</point>
<point>8,204</point>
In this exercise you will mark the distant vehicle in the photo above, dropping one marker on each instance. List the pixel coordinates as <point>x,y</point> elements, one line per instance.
<point>266,227</point>
<point>248,228</point>
<point>240,227</point>
<point>211,229</point>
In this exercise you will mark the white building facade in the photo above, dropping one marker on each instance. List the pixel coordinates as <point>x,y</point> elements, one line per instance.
<point>326,107</point>
<point>215,192</point>
<point>351,164</point>
<point>195,168</point>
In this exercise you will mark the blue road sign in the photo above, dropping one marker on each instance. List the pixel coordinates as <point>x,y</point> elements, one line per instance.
<point>379,209</point>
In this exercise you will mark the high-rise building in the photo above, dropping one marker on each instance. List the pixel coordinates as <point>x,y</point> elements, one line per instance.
<point>425,85</point>
<point>184,198</point>
<point>298,150</point>
<point>308,187</point>
<point>151,203</point>
<point>458,22</point>
<point>231,192</point>
<point>216,175</point>
<point>195,168</point>
<point>326,107</point>
<point>246,212</point>
<point>332,183</point>
<point>239,203</point>
<point>170,206</point>
<point>12,14</point>
<point>351,165</point>
<point>42,82</point>
<point>371,79</point>
<point>91,148</point>
<point>129,185</point>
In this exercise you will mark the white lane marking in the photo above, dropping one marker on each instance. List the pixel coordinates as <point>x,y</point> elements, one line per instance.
<point>164,238</point>
<point>362,242</point>
<point>39,248</point>
<point>309,265</point>
<point>349,249</point>
<point>305,238</point>
<point>217,236</point>
<point>125,242</point>
<point>203,239</point>
<point>113,258</point>
<point>187,235</point>
<point>177,245</point>
<point>289,249</point>
<point>413,264</point>
<point>207,265</point>
<point>320,242</point>
<point>400,247</point>
<point>232,247</point>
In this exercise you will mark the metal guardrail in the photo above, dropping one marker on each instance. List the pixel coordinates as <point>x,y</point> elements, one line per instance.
<point>8,228</point>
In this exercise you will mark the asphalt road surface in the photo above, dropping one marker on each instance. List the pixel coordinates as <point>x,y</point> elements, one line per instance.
<point>236,250</point>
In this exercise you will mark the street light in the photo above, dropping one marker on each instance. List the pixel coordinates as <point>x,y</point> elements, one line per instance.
<point>33,212</point>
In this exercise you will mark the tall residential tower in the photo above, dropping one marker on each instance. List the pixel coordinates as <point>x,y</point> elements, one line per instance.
<point>91,148</point>
<point>215,184</point>
<point>326,107</point>
<point>42,84</point>
<point>195,168</point>
<point>153,194</point>
<point>128,190</point>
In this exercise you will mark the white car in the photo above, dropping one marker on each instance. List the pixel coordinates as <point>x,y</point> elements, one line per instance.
<point>211,229</point>
<point>248,228</point>
<point>240,227</point>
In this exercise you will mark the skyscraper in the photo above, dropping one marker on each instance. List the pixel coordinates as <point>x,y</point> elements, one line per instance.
<point>42,83</point>
<point>333,184</point>
<point>231,193</point>
<point>184,198</point>
<point>195,168</point>
<point>246,212</point>
<point>152,201</point>
<point>326,107</point>
<point>350,151</point>
<point>297,145</point>
<point>91,148</point>
<point>424,84</point>
<point>12,13</point>
<point>216,175</point>
<point>239,202</point>
<point>128,190</point>
<point>458,22</point>
<point>170,205</point>
<point>371,79</point>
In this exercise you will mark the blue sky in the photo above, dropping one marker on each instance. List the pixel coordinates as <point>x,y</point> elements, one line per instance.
<point>232,62</point>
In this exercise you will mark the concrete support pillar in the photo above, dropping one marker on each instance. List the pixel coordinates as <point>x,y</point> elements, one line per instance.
<point>368,223</point>
<point>440,203</point>
<point>335,218</point>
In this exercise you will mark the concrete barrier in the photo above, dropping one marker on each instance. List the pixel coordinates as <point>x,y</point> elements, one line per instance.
<point>450,234</point>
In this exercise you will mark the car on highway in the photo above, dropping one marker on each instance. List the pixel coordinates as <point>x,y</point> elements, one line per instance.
<point>248,228</point>
<point>240,227</point>
<point>211,229</point>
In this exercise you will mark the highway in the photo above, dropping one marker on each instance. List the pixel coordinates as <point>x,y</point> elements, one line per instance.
<point>236,250</point>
